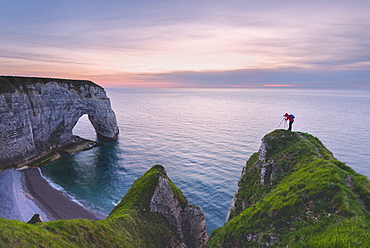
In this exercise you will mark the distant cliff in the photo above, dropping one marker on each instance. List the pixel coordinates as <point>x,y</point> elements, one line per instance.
<point>37,116</point>
<point>294,193</point>
<point>153,213</point>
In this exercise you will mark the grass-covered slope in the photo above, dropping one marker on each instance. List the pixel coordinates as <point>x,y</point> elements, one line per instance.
<point>130,224</point>
<point>6,86</point>
<point>294,193</point>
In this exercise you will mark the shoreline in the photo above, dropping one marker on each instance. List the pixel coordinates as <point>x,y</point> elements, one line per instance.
<point>25,191</point>
<point>53,202</point>
<point>16,203</point>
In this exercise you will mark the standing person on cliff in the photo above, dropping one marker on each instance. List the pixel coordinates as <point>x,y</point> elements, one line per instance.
<point>289,117</point>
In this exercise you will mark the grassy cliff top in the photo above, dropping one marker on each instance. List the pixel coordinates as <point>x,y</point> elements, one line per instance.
<point>9,84</point>
<point>294,193</point>
<point>139,195</point>
<point>130,224</point>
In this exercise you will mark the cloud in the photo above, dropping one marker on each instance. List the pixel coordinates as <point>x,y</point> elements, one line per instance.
<point>289,77</point>
<point>198,43</point>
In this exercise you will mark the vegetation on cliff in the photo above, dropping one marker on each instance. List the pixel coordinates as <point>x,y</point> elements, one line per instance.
<point>130,224</point>
<point>9,84</point>
<point>6,86</point>
<point>294,193</point>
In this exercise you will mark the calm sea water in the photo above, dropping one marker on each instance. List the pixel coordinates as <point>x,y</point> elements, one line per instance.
<point>204,137</point>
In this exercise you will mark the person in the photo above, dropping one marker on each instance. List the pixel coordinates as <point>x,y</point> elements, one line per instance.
<point>289,117</point>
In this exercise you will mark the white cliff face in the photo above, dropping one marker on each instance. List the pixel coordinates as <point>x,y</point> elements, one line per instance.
<point>264,168</point>
<point>188,221</point>
<point>40,115</point>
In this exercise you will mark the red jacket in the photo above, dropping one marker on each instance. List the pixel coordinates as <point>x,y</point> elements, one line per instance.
<point>288,117</point>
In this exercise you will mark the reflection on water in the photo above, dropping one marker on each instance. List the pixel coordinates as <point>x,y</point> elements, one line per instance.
<point>90,175</point>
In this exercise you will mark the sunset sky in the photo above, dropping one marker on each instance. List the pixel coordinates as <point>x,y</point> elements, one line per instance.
<point>203,43</point>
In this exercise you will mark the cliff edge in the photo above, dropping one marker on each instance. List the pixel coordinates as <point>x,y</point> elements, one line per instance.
<point>294,193</point>
<point>38,116</point>
<point>153,213</point>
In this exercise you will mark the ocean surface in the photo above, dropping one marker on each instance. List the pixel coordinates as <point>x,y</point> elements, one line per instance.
<point>203,137</point>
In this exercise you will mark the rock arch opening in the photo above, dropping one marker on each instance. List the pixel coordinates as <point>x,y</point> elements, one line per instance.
<point>84,128</point>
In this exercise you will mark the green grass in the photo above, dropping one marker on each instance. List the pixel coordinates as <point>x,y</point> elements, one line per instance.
<point>310,201</point>
<point>307,199</point>
<point>9,84</point>
<point>6,86</point>
<point>44,159</point>
<point>129,225</point>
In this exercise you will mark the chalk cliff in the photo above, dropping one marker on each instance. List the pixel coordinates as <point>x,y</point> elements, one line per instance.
<point>188,220</point>
<point>153,213</point>
<point>294,193</point>
<point>38,115</point>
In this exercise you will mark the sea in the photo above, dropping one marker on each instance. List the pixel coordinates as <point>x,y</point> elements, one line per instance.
<point>204,137</point>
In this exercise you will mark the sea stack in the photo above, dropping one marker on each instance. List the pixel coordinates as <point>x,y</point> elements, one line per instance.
<point>38,115</point>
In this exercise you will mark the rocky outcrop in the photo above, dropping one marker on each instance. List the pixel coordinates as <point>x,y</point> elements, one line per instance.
<point>158,197</point>
<point>37,116</point>
<point>188,220</point>
<point>154,213</point>
<point>294,193</point>
<point>36,218</point>
<point>307,198</point>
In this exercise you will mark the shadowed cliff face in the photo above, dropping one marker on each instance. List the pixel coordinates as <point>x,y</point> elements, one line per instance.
<point>38,115</point>
<point>155,193</point>
<point>188,220</point>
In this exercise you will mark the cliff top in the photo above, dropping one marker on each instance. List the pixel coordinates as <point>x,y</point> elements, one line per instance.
<point>141,192</point>
<point>9,84</point>
<point>293,192</point>
<point>130,224</point>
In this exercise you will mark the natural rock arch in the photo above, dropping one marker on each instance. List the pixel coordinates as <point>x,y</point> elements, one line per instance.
<point>38,116</point>
<point>84,128</point>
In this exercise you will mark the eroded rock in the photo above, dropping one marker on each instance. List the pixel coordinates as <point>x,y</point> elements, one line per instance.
<point>38,116</point>
<point>188,220</point>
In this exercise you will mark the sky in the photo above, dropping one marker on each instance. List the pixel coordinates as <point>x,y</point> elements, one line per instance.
<point>203,43</point>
